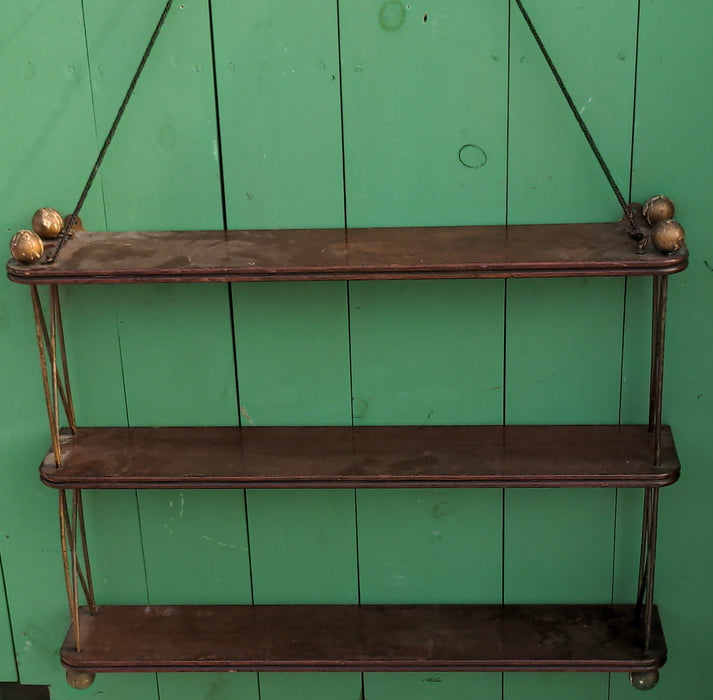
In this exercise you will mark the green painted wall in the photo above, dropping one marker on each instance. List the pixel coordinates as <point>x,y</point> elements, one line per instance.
<point>370,113</point>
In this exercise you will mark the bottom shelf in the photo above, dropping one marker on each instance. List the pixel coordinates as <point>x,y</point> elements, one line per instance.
<point>364,638</point>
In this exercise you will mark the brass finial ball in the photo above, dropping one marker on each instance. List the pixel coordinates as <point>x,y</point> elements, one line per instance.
<point>78,225</point>
<point>668,236</point>
<point>26,247</point>
<point>80,680</point>
<point>658,208</point>
<point>644,681</point>
<point>47,222</point>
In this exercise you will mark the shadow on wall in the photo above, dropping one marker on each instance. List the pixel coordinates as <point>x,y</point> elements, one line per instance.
<point>15,691</point>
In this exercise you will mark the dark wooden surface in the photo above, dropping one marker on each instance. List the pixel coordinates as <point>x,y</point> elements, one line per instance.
<point>364,638</point>
<point>328,457</point>
<point>17,691</point>
<point>555,250</point>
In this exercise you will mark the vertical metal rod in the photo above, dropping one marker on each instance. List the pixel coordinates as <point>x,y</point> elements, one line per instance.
<point>66,395</point>
<point>63,527</point>
<point>46,336</point>
<point>53,359</point>
<point>645,529</point>
<point>658,379</point>
<point>656,291</point>
<point>75,574</point>
<point>72,545</point>
<point>39,322</point>
<point>89,586</point>
<point>651,566</point>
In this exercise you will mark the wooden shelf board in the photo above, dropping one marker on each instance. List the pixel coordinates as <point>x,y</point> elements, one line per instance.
<point>553,250</point>
<point>364,638</point>
<point>361,457</point>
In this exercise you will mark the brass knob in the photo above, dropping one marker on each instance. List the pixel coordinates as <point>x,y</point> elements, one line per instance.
<point>668,236</point>
<point>26,247</point>
<point>658,208</point>
<point>47,222</point>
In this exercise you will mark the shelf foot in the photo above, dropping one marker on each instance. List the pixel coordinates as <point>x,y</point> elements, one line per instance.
<point>80,680</point>
<point>644,681</point>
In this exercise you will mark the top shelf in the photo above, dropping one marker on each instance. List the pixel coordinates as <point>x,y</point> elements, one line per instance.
<point>552,250</point>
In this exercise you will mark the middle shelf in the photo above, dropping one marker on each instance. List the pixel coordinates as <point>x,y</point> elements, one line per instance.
<point>362,457</point>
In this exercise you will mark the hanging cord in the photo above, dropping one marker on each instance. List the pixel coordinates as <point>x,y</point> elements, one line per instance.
<point>635,232</point>
<point>72,218</point>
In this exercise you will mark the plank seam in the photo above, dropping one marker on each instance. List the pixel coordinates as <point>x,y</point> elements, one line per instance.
<point>613,570</point>
<point>217,117</point>
<point>349,305</point>
<point>636,89</point>
<point>143,549</point>
<point>94,111</point>
<point>9,620</point>
<point>626,295</point>
<point>122,368</point>
<point>341,118</point>
<point>247,537</point>
<point>505,304</point>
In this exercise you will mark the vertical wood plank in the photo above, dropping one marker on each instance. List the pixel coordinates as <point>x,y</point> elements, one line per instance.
<point>162,168</point>
<point>424,127</point>
<point>117,686</point>
<point>424,88</point>
<point>178,365</point>
<point>112,519</point>
<point>292,343</point>
<point>211,686</point>
<point>429,546</point>
<point>177,355</point>
<point>292,347</point>
<point>564,337</point>
<point>583,686</point>
<point>563,351</point>
<point>553,175</point>
<point>278,83</point>
<point>93,353</point>
<point>565,557</point>
<point>407,351</point>
<point>304,548</point>
<point>196,547</point>
<point>47,133</point>
<point>278,79</point>
<point>636,356</point>
<point>672,155</point>
<point>309,686</point>
<point>406,354</point>
<point>176,349</point>
<point>48,143</point>
<point>438,686</point>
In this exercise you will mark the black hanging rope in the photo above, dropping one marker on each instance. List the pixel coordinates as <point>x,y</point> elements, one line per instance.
<point>635,233</point>
<point>72,218</point>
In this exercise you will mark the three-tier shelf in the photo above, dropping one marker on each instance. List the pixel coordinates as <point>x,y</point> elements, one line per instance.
<point>437,638</point>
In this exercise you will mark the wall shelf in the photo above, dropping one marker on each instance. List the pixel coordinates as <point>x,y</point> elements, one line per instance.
<point>553,250</point>
<point>357,638</point>
<point>362,457</point>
